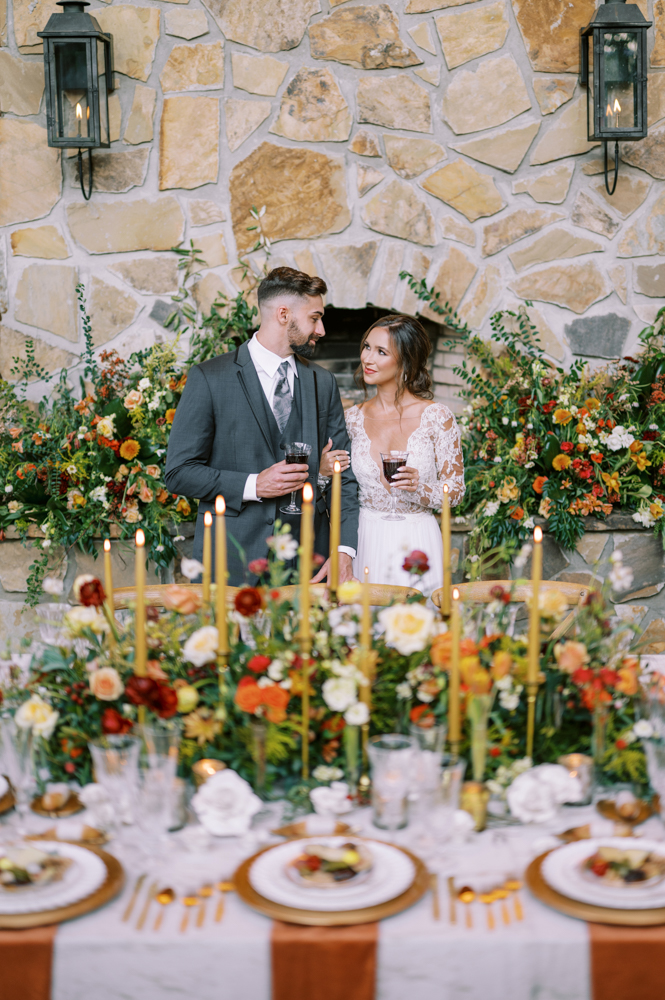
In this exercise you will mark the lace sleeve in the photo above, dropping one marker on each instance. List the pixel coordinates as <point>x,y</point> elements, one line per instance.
<point>445,438</point>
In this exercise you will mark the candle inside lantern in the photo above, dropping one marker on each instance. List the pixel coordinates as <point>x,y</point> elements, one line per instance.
<point>220,576</point>
<point>447,557</point>
<point>204,769</point>
<point>335,527</point>
<point>108,586</point>
<point>454,731</point>
<point>306,543</point>
<point>207,556</point>
<point>79,116</point>
<point>139,614</point>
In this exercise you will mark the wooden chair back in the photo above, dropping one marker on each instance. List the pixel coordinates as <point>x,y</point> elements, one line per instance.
<point>380,595</point>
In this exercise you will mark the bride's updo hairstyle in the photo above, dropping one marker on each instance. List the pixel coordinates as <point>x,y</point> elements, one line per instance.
<point>412,348</point>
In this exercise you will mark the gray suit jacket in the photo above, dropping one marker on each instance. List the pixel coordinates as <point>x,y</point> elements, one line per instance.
<point>221,433</point>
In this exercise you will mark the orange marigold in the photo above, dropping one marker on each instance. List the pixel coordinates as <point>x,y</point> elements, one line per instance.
<point>517,513</point>
<point>561,462</point>
<point>169,415</point>
<point>129,449</point>
<point>538,483</point>
<point>248,695</point>
<point>183,507</point>
<point>562,417</point>
<point>596,457</point>
<point>275,699</point>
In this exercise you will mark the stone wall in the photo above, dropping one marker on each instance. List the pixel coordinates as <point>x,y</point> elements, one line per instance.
<point>445,137</point>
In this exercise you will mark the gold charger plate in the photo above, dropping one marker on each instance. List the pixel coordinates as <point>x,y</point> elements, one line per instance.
<point>296,831</point>
<point>71,807</point>
<point>317,918</point>
<point>108,890</point>
<point>7,801</point>
<point>608,809</point>
<point>587,911</point>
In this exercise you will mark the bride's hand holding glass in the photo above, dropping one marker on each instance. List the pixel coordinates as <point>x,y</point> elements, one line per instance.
<point>328,459</point>
<point>406,478</point>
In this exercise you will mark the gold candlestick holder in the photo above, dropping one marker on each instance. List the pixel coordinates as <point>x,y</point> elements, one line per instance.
<point>305,650</point>
<point>531,693</point>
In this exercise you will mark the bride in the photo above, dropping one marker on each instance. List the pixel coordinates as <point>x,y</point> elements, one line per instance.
<point>400,418</point>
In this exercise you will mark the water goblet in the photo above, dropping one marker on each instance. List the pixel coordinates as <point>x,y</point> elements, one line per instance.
<point>17,763</point>
<point>297,453</point>
<point>391,758</point>
<point>392,462</point>
<point>116,763</point>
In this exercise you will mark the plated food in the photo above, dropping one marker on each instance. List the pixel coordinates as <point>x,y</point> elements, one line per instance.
<point>618,866</point>
<point>24,866</point>
<point>326,865</point>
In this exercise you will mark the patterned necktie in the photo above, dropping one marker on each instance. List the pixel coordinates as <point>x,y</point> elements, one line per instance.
<point>282,400</point>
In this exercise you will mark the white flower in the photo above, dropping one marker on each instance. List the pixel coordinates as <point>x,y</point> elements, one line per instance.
<point>509,700</point>
<point>9,489</point>
<point>635,405</point>
<point>643,729</point>
<point>403,690</point>
<point>81,618</point>
<point>653,427</point>
<point>46,544</point>
<point>505,421</point>
<point>225,804</point>
<point>644,517</point>
<point>106,427</point>
<point>341,625</point>
<point>535,795</point>
<point>38,715</point>
<point>285,547</point>
<point>620,576</point>
<point>339,693</point>
<point>497,458</point>
<point>99,493</point>
<point>331,801</point>
<point>201,647</point>
<point>154,402</point>
<point>513,423</point>
<point>408,627</point>
<point>325,773</point>
<point>179,538</point>
<point>52,586</point>
<point>265,682</point>
<point>528,523</point>
<point>357,715</point>
<point>619,438</point>
<point>14,506</point>
<point>144,383</point>
<point>491,507</point>
<point>276,670</point>
<point>504,683</point>
<point>190,568</point>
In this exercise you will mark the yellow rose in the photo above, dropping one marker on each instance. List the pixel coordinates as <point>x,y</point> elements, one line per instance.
<point>105,684</point>
<point>350,592</point>
<point>552,603</point>
<point>81,618</point>
<point>38,715</point>
<point>408,627</point>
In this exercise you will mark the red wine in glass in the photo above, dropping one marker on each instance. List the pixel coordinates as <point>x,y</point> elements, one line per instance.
<point>392,462</point>
<point>297,453</point>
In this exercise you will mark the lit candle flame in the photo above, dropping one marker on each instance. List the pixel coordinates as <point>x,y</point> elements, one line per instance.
<point>617,106</point>
<point>207,519</point>
<point>79,112</point>
<point>538,534</point>
<point>445,488</point>
<point>337,467</point>
<point>140,537</point>
<point>107,545</point>
<point>220,505</point>
<point>608,110</point>
<point>455,594</point>
<point>307,493</point>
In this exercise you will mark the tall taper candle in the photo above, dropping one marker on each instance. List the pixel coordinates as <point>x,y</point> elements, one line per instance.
<point>366,620</point>
<point>335,527</point>
<point>139,614</point>
<point>447,552</point>
<point>108,587</point>
<point>365,694</point>
<point>454,731</point>
<point>220,578</point>
<point>533,660</point>
<point>306,543</point>
<point>207,557</point>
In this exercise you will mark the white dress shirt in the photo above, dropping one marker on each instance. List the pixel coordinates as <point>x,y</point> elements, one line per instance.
<point>267,366</point>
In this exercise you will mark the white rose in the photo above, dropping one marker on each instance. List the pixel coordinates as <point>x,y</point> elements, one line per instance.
<point>325,773</point>
<point>38,715</point>
<point>339,693</point>
<point>105,427</point>
<point>276,670</point>
<point>357,715</point>
<point>643,729</point>
<point>201,647</point>
<point>106,684</point>
<point>52,586</point>
<point>408,627</point>
<point>80,618</point>
<point>191,568</point>
<point>225,804</point>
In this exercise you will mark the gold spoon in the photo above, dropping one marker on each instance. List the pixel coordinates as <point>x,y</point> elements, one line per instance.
<point>488,898</point>
<point>502,895</point>
<point>223,887</point>
<point>164,896</point>
<point>205,892</point>
<point>467,895</point>
<point>514,885</point>
<point>188,901</point>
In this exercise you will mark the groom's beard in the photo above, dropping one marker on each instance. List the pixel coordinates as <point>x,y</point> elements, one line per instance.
<point>299,342</point>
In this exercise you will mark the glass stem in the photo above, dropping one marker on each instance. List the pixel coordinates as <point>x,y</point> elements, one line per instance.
<point>293,498</point>
<point>393,500</point>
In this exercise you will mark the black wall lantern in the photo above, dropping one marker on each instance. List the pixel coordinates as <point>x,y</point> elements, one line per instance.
<point>78,67</point>
<point>613,67</point>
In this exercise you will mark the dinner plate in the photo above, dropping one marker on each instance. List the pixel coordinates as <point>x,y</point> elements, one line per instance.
<point>392,874</point>
<point>562,870</point>
<point>83,877</point>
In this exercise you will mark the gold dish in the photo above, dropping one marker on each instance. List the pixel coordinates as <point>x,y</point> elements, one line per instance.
<point>296,831</point>
<point>608,809</point>
<point>7,801</point>
<point>72,806</point>
<point>319,918</point>
<point>91,837</point>
<point>112,885</point>
<point>587,911</point>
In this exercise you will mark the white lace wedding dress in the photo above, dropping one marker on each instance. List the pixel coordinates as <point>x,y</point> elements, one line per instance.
<point>435,450</point>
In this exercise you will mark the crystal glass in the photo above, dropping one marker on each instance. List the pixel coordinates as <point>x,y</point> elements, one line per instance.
<point>427,762</point>
<point>297,453</point>
<point>444,799</point>
<point>392,462</point>
<point>17,762</point>
<point>158,776</point>
<point>116,765</point>
<point>391,757</point>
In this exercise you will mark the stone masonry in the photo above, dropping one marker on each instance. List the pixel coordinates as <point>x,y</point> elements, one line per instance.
<point>440,136</point>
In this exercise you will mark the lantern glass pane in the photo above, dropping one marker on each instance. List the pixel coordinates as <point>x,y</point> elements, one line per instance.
<point>103,93</point>
<point>72,98</point>
<point>619,95</point>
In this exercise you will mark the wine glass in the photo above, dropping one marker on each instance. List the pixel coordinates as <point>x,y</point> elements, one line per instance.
<point>297,453</point>
<point>17,764</point>
<point>392,461</point>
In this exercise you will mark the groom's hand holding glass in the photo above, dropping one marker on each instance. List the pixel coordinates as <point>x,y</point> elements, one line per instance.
<point>280,479</point>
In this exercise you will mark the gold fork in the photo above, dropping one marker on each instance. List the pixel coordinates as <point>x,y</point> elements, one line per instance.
<point>502,895</point>
<point>514,885</point>
<point>434,886</point>
<point>205,892</point>
<point>488,898</point>
<point>152,892</point>
<point>223,888</point>
<point>188,901</point>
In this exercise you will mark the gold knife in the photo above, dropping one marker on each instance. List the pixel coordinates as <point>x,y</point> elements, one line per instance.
<point>152,892</point>
<point>453,898</point>
<point>434,886</point>
<point>130,905</point>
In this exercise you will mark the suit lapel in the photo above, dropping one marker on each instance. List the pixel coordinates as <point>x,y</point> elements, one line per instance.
<point>255,395</point>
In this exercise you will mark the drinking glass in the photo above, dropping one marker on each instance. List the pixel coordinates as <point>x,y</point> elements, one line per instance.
<point>392,461</point>
<point>116,764</point>
<point>427,761</point>
<point>16,762</point>
<point>445,797</point>
<point>158,776</point>
<point>297,453</point>
<point>391,757</point>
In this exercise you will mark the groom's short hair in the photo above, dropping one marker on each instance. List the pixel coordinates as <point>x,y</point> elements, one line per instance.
<point>288,281</point>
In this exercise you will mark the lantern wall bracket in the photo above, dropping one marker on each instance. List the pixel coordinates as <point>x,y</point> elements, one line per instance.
<point>609,190</point>
<point>87,196</point>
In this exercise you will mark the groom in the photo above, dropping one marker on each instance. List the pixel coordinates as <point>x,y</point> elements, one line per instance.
<point>238,412</point>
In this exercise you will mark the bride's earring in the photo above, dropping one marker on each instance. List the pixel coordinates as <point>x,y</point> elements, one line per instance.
<point>405,376</point>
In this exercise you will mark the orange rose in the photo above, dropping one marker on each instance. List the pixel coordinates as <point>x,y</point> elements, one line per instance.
<point>275,699</point>
<point>627,682</point>
<point>181,599</point>
<point>129,449</point>
<point>106,684</point>
<point>248,695</point>
<point>145,494</point>
<point>502,661</point>
<point>517,513</point>
<point>596,457</point>
<point>479,681</point>
<point>440,650</point>
<point>468,666</point>
<point>561,462</point>
<point>152,470</point>
<point>169,415</point>
<point>538,483</point>
<point>162,495</point>
<point>423,716</point>
<point>133,398</point>
<point>571,655</point>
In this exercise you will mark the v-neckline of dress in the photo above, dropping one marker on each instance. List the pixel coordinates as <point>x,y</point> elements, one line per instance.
<point>369,441</point>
